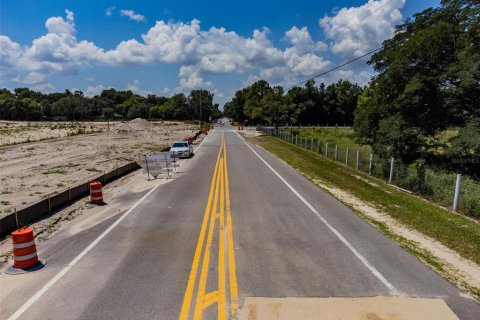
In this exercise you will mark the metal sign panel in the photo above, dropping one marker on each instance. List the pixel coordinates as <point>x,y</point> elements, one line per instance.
<point>159,162</point>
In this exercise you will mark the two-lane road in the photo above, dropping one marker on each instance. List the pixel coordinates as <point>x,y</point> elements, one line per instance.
<point>237,225</point>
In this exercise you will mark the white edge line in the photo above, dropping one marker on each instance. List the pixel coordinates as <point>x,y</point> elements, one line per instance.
<point>55,279</point>
<point>373,270</point>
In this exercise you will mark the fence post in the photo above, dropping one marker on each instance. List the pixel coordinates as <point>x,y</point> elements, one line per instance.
<point>456,199</point>
<point>296,140</point>
<point>16,217</point>
<point>146,164</point>
<point>392,166</point>
<point>306,143</point>
<point>326,149</point>
<point>357,164</point>
<point>346,156</point>
<point>311,145</point>
<point>370,164</point>
<point>336,152</point>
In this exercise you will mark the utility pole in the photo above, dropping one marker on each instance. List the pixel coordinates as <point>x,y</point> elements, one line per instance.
<point>200,106</point>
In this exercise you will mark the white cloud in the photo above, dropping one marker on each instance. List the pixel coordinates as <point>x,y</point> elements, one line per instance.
<point>356,30</point>
<point>109,11</point>
<point>360,77</point>
<point>132,15</point>
<point>198,52</point>
<point>190,78</point>
<point>135,88</point>
<point>59,26</point>
<point>10,52</point>
<point>58,51</point>
<point>94,90</point>
<point>44,87</point>
<point>31,78</point>
<point>302,40</point>
<point>252,78</point>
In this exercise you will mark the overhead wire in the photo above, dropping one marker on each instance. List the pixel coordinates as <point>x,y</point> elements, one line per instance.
<point>350,61</point>
<point>335,68</point>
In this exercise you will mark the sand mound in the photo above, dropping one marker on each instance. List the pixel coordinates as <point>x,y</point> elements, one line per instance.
<point>140,124</point>
<point>137,124</point>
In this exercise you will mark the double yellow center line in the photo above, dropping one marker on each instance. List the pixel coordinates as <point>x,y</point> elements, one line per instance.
<point>217,217</point>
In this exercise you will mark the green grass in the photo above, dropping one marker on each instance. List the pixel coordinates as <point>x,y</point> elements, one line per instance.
<point>5,203</point>
<point>55,171</point>
<point>344,137</point>
<point>93,170</point>
<point>5,192</point>
<point>452,230</point>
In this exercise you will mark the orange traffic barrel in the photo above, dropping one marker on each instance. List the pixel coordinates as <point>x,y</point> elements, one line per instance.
<point>24,252</point>
<point>96,196</point>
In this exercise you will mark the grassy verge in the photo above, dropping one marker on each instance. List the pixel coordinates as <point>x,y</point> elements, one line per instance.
<point>452,230</point>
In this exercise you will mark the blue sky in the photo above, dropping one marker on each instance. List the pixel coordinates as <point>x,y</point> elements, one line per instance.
<point>165,47</point>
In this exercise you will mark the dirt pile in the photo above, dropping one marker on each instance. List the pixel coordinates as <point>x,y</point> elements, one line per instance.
<point>136,125</point>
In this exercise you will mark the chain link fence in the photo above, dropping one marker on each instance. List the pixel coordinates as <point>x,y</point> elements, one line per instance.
<point>458,193</point>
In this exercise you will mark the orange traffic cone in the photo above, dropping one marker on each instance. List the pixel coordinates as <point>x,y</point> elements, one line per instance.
<point>25,257</point>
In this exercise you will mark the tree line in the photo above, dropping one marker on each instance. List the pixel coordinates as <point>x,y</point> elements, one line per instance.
<point>260,103</point>
<point>427,81</point>
<point>26,104</point>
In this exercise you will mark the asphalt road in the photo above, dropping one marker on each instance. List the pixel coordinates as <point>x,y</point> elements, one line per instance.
<point>237,223</point>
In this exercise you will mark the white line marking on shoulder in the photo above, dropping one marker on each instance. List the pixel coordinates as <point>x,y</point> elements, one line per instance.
<point>373,270</point>
<point>55,279</point>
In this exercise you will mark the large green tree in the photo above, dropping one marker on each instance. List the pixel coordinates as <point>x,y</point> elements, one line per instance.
<point>428,79</point>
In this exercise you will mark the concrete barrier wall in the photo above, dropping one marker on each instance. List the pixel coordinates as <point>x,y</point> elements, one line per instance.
<point>49,205</point>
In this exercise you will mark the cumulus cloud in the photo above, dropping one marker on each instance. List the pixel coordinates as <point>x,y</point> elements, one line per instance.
<point>132,15</point>
<point>190,78</point>
<point>302,40</point>
<point>31,78</point>
<point>360,77</point>
<point>109,11</point>
<point>135,88</point>
<point>198,52</point>
<point>58,51</point>
<point>58,25</point>
<point>356,30</point>
<point>44,87</point>
<point>10,52</point>
<point>94,90</point>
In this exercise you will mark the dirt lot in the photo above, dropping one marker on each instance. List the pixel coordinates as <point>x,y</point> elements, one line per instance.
<point>32,171</point>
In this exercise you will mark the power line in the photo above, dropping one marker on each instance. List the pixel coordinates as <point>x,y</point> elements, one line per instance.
<point>335,68</point>
<point>351,61</point>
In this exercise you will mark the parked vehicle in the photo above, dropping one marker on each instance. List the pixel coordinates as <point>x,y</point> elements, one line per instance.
<point>182,148</point>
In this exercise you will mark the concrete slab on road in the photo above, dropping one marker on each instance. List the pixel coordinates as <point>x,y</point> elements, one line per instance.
<point>377,308</point>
